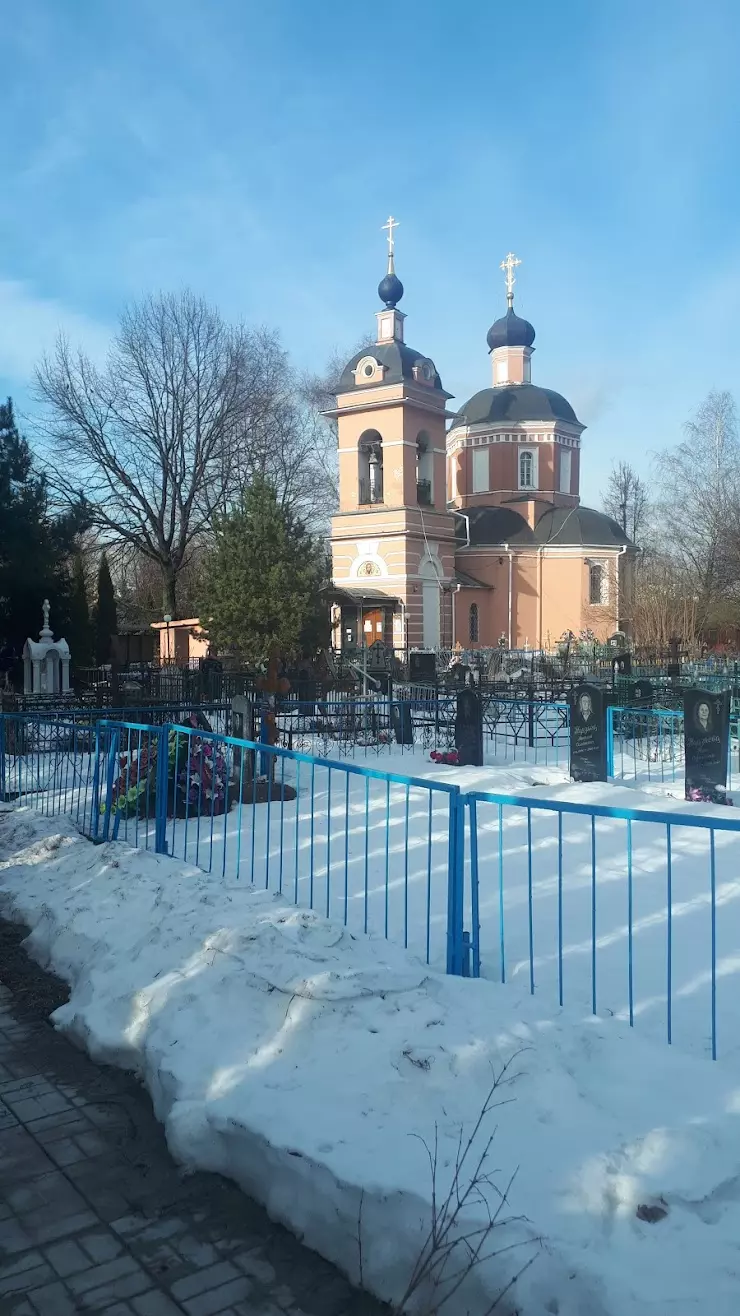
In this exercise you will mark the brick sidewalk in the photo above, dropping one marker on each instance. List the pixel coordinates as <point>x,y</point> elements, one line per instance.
<point>96,1217</point>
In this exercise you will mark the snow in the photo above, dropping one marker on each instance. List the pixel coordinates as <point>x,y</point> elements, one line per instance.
<point>307,1062</point>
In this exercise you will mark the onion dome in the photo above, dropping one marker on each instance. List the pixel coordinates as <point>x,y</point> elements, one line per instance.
<point>510,331</point>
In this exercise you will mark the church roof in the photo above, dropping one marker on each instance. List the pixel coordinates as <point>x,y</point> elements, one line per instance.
<point>515,403</point>
<point>399,361</point>
<point>580,525</point>
<point>563,526</point>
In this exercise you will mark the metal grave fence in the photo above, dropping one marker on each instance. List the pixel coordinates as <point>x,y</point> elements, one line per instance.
<point>647,745</point>
<point>628,912</point>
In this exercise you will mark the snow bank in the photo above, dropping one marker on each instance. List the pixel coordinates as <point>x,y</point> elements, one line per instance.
<point>307,1063</point>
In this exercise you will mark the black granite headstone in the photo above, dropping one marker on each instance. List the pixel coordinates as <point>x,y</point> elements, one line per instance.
<point>469,729</point>
<point>588,733</point>
<point>706,725</point>
<point>641,693</point>
<point>422,667</point>
<point>622,664</point>
<point>403,728</point>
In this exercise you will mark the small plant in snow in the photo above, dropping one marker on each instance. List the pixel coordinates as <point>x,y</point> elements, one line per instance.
<point>454,1246</point>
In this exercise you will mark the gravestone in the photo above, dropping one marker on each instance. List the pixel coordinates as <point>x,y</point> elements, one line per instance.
<point>403,727</point>
<point>469,729</point>
<point>641,693</point>
<point>588,733</point>
<point>622,664</point>
<point>422,667</point>
<point>706,724</point>
<point>243,728</point>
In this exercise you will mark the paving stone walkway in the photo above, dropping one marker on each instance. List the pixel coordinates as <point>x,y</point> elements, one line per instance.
<point>96,1217</point>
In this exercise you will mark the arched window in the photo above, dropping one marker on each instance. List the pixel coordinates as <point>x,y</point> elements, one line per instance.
<point>424,469</point>
<point>473,623</point>
<point>527,469</point>
<point>370,468</point>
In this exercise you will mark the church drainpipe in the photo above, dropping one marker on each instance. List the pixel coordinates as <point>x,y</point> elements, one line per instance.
<point>511,567</point>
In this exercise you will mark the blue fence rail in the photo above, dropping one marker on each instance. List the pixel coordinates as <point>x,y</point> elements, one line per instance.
<point>648,745</point>
<point>631,912</point>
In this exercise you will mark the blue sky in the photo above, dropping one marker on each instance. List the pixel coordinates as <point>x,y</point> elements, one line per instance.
<point>252,152</point>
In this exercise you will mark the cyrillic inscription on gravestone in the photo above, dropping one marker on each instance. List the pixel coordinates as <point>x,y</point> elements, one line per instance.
<point>469,729</point>
<point>706,724</point>
<point>588,734</point>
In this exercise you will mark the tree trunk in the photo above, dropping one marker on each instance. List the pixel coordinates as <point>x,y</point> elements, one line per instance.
<point>169,590</point>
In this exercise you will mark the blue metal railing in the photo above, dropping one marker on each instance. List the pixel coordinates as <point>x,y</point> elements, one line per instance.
<point>648,744</point>
<point>619,896</point>
<point>628,911</point>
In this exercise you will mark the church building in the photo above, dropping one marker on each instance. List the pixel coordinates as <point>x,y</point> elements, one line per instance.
<point>465,526</point>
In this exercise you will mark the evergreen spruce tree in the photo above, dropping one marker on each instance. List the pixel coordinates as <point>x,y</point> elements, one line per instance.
<point>80,631</point>
<point>105,613</point>
<point>263,581</point>
<point>34,549</point>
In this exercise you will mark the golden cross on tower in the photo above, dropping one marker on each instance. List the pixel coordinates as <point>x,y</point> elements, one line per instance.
<point>390,225</point>
<point>508,266</point>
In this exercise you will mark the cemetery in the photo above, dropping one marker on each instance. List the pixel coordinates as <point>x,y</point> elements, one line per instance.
<point>369,713</point>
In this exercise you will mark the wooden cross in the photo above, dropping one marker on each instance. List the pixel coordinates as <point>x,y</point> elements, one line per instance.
<point>508,266</point>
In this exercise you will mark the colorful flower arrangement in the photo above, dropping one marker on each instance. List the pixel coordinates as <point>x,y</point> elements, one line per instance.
<point>449,757</point>
<point>705,795</point>
<point>196,778</point>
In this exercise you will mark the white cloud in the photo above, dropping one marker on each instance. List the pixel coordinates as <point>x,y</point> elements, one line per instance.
<point>29,326</point>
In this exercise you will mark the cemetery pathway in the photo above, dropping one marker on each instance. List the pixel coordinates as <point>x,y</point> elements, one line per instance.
<point>94,1214</point>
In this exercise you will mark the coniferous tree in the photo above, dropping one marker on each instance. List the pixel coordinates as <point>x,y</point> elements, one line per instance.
<point>80,632</point>
<point>34,548</point>
<point>105,613</point>
<point>264,580</point>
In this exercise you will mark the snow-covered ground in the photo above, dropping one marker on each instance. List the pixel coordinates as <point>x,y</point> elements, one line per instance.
<point>308,1063</point>
<point>332,851</point>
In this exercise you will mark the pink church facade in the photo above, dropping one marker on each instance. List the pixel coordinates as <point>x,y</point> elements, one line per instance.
<point>465,527</point>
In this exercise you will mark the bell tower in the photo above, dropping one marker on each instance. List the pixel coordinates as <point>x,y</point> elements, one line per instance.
<point>392,540</point>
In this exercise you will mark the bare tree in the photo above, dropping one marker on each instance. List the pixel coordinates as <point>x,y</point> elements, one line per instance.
<point>626,499</point>
<point>700,496</point>
<point>150,439</point>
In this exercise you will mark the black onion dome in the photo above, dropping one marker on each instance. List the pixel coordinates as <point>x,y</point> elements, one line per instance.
<point>510,331</point>
<point>390,290</point>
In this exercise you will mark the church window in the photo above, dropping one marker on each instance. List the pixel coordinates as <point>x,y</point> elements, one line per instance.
<point>473,623</point>
<point>527,469</point>
<point>565,470</point>
<point>480,470</point>
<point>597,583</point>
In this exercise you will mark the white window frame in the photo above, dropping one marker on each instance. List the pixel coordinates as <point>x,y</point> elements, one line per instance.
<point>566,467</point>
<point>535,468</point>
<point>603,567</point>
<point>481,474</point>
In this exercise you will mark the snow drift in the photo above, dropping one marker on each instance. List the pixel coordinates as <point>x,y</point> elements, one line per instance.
<point>311,1065</point>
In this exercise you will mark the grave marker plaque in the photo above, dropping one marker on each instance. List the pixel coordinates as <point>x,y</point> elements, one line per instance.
<point>422,667</point>
<point>588,733</point>
<point>403,728</point>
<point>469,729</point>
<point>706,724</point>
<point>641,693</point>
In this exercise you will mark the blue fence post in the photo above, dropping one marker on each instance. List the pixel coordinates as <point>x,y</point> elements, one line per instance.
<point>610,741</point>
<point>95,813</point>
<point>162,783</point>
<point>456,885</point>
<point>109,780</point>
<point>2,756</point>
